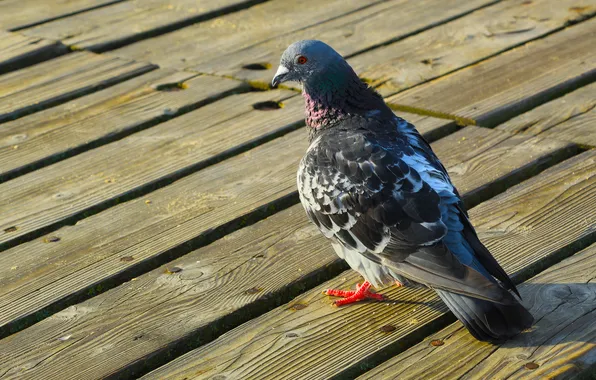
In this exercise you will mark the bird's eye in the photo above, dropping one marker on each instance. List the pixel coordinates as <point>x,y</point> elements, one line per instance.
<point>301,60</point>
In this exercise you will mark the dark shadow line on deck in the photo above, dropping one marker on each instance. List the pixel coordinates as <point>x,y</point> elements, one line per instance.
<point>421,30</point>
<point>277,36</point>
<point>116,44</point>
<point>74,94</point>
<point>448,318</point>
<point>66,15</point>
<point>50,52</point>
<point>148,265</point>
<point>486,58</point>
<point>110,138</point>
<point>498,116</point>
<point>151,186</point>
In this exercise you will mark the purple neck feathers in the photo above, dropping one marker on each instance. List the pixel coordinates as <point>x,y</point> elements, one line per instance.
<point>321,111</point>
<point>330,101</point>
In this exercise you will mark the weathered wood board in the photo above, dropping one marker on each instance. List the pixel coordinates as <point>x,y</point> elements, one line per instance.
<point>64,189</point>
<point>244,269</point>
<point>56,133</point>
<point>560,345</point>
<point>467,40</point>
<point>318,341</point>
<point>17,14</point>
<point>125,22</point>
<point>264,22</point>
<point>349,34</point>
<point>18,51</point>
<point>569,118</point>
<point>497,89</point>
<point>59,80</point>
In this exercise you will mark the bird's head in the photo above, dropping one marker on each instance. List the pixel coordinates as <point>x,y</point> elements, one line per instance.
<point>308,61</point>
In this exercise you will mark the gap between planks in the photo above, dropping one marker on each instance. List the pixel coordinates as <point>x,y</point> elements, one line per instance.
<point>17,51</point>
<point>14,15</point>
<point>59,80</point>
<point>48,136</point>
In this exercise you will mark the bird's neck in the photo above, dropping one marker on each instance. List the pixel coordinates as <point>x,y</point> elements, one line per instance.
<point>328,101</point>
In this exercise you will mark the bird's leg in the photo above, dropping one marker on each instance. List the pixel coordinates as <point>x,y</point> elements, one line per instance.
<point>362,292</point>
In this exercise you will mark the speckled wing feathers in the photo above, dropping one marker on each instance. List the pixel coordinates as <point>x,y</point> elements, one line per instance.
<point>386,202</point>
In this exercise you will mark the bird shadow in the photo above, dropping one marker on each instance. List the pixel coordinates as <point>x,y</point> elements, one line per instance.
<point>563,313</point>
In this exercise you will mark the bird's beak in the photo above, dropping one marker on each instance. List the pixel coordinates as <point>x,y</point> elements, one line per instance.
<point>280,76</point>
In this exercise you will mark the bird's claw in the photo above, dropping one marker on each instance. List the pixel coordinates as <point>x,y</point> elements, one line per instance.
<point>350,296</point>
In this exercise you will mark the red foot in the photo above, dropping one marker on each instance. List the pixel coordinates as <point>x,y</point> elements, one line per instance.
<point>360,294</point>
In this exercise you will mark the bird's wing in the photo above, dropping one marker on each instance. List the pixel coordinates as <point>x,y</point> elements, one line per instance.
<point>388,199</point>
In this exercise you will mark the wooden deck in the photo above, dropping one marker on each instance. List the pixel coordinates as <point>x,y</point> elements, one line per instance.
<point>149,220</point>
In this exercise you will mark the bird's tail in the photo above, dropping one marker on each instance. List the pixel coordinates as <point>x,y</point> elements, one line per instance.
<point>486,320</point>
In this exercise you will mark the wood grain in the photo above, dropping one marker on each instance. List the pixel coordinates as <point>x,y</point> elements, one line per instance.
<point>241,272</point>
<point>560,345</point>
<point>59,132</point>
<point>511,83</point>
<point>60,198</point>
<point>505,100</point>
<point>59,80</point>
<point>319,341</point>
<point>18,51</point>
<point>349,34</point>
<point>569,118</point>
<point>467,40</point>
<point>138,163</point>
<point>238,30</point>
<point>67,188</point>
<point>15,14</point>
<point>125,22</point>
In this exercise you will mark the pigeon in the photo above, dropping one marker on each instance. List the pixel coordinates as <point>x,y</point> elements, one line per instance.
<point>374,187</point>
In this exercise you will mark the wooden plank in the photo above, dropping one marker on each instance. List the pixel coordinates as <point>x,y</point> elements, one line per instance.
<point>467,40</point>
<point>14,14</point>
<point>569,118</point>
<point>18,51</point>
<point>125,22</point>
<point>239,30</point>
<point>561,345</point>
<point>59,132</point>
<point>59,80</point>
<point>511,83</point>
<point>316,341</point>
<point>348,34</point>
<point>281,254</point>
